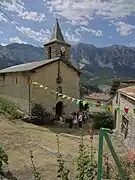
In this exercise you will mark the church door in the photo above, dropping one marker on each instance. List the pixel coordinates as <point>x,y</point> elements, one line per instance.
<point>59,108</point>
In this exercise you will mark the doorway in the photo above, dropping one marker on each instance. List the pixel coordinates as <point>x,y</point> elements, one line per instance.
<point>59,108</point>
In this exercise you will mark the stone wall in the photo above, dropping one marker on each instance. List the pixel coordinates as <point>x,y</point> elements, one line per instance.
<point>47,76</point>
<point>129,102</point>
<point>55,50</point>
<point>15,87</point>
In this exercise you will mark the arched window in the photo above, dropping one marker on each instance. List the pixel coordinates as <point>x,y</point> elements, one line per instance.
<point>49,53</point>
<point>62,55</point>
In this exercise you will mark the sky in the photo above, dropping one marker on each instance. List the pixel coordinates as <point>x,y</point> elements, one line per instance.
<point>98,22</point>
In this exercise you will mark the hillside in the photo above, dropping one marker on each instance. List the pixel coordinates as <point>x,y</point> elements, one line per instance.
<point>99,65</point>
<point>20,138</point>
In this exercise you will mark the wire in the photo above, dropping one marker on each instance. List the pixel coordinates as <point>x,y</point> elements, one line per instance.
<point>14,23</point>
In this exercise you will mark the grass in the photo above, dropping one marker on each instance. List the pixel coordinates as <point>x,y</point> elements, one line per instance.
<point>20,138</point>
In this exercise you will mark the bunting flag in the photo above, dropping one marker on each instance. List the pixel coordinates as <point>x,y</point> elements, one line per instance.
<point>84,102</point>
<point>73,99</point>
<point>41,86</point>
<point>126,109</point>
<point>59,94</point>
<point>77,101</point>
<point>110,108</point>
<point>64,96</point>
<point>68,98</point>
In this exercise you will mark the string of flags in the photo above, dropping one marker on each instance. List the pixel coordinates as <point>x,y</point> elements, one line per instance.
<point>84,102</point>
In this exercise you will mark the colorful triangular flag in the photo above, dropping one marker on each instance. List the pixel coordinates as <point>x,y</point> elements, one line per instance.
<point>35,83</point>
<point>63,96</point>
<point>78,101</point>
<point>73,99</point>
<point>68,98</point>
<point>41,86</point>
<point>84,102</point>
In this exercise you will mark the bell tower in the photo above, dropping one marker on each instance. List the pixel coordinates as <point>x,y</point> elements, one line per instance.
<point>57,46</point>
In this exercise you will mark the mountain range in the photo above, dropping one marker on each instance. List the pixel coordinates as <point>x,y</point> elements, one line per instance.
<point>99,65</point>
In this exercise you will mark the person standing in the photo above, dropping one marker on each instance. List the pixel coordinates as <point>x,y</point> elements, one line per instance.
<point>64,117</point>
<point>80,119</point>
<point>75,120</point>
<point>70,120</point>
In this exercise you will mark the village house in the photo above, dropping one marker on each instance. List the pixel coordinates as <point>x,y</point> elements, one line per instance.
<point>95,100</point>
<point>124,114</point>
<point>56,72</point>
<point>98,98</point>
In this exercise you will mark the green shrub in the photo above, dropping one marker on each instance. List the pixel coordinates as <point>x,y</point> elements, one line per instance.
<point>103,119</point>
<point>10,108</point>
<point>40,116</point>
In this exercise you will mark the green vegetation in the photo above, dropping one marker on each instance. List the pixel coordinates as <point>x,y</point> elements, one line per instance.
<point>10,108</point>
<point>40,116</point>
<point>102,119</point>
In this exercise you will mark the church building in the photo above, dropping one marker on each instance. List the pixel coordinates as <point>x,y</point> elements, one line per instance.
<point>55,72</point>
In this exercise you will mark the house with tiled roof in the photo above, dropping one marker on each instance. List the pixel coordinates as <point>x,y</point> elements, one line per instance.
<point>124,114</point>
<point>96,99</point>
<point>55,72</point>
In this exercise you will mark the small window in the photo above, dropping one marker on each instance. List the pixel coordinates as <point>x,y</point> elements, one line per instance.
<point>59,89</point>
<point>98,102</point>
<point>62,54</point>
<point>49,53</point>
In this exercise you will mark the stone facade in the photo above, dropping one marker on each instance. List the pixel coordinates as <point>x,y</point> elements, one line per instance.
<point>47,76</point>
<point>122,117</point>
<point>16,87</point>
<point>55,50</point>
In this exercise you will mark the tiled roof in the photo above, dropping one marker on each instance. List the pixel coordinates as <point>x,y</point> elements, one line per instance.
<point>34,65</point>
<point>99,96</point>
<point>130,90</point>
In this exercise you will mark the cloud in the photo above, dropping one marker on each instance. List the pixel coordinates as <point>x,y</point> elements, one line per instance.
<point>3,44</point>
<point>124,29</point>
<point>2,19</point>
<point>71,37</point>
<point>17,6</point>
<point>13,5</point>
<point>39,36</point>
<point>110,37</point>
<point>86,10</point>
<point>93,32</point>
<point>32,16</point>
<point>131,45</point>
<point>16,40</point>
<point>1,32</point>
